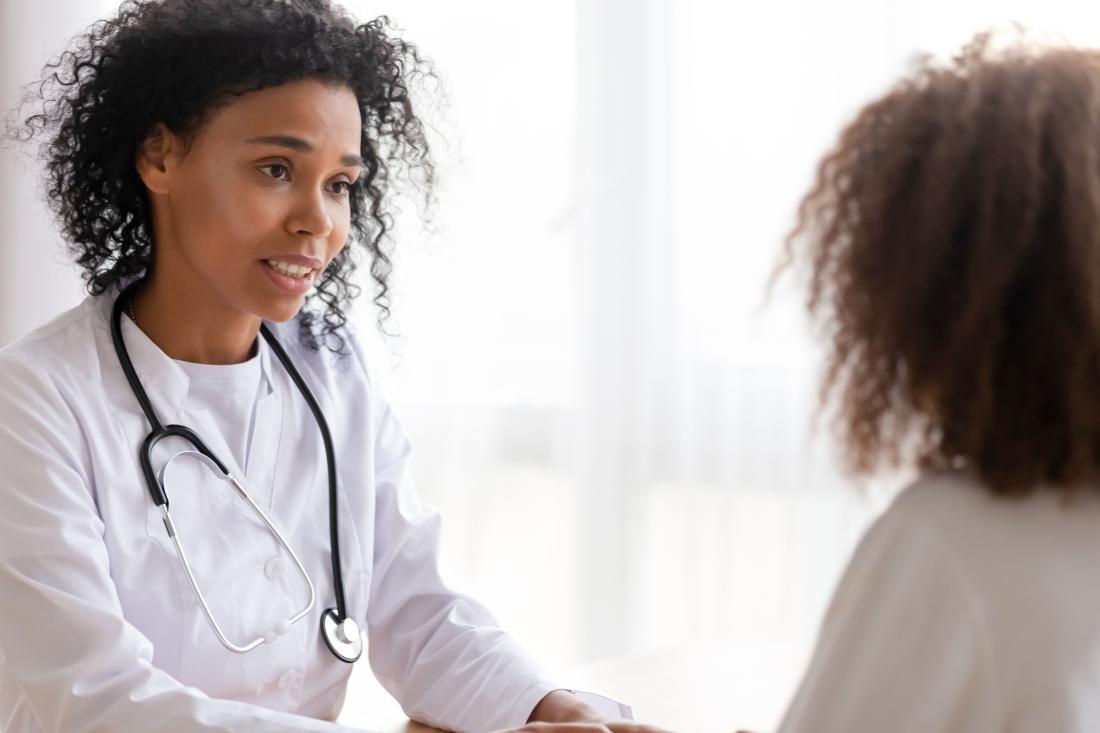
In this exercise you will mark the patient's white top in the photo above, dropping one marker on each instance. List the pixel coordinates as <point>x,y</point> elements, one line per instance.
<point>962,611</point>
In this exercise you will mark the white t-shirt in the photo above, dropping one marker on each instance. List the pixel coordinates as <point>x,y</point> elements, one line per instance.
<point>962,611</point>
<point>230,394</point>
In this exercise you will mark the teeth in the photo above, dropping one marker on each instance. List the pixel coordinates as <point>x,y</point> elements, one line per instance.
<point>288,269</point>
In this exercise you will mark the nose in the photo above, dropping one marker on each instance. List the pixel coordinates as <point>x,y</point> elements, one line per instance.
<point>310,216</point>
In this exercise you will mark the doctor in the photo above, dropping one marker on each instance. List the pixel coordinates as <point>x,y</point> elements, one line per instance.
<point>216,168</point>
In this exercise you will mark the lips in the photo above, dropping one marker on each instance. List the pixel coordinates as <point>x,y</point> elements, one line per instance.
<point>290,269</point>
<point>297,259</point>
<point>296,284</point>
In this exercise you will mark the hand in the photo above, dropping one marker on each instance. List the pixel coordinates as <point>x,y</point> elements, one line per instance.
<point>562,712</point>
<point>607,726</point>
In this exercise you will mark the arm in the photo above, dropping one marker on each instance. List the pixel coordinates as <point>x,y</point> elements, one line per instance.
<point>441,654</point>
<point>902,647</point>
<point>435,648</point>
<point>69,660</point>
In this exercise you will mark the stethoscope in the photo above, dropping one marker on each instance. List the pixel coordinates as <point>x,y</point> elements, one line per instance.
<point>338,629</point>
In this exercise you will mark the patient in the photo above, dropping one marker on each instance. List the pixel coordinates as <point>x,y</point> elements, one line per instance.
<point>952,247</point>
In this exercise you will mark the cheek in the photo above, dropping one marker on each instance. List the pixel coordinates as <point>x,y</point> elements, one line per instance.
<point>222,215</point>
<point>341,226</point>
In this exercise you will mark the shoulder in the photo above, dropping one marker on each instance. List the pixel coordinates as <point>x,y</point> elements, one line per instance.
<point>349,360</point>
<point>46,378</point>
<point>67,334</point>
<point>940,493</point>
<point>344,374</point>
<point>930,542</point>
<point>349,383</point>
<point>902,618</point>
<point>1019,560</point>
<point>945,520</point>
<point>978,527</point>
<point>63,351</point>
<point>936,503</point>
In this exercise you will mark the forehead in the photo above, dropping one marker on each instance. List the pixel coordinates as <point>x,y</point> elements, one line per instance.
<point>324,113</point>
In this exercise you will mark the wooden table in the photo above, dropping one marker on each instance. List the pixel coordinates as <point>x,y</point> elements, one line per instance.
<point>718,687</point>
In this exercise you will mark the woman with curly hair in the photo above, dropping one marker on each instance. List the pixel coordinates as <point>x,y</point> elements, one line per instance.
<point>952,241</point>
<point>204,495</point>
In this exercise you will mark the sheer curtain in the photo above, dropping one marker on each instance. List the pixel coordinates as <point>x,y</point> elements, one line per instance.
<point>613,421</point>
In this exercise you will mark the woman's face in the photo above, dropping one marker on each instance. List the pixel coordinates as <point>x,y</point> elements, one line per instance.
<point>254,209</point>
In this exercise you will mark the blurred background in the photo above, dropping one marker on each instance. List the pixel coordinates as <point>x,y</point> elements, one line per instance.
<point>613,420</point>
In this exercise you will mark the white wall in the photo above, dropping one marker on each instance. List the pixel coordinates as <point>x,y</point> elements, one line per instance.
<point>36,280</point>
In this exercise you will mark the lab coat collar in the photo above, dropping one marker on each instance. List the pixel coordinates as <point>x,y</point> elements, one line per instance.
<point>158,372</point>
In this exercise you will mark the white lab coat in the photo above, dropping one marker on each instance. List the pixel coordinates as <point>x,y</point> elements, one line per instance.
<point>100,630</point>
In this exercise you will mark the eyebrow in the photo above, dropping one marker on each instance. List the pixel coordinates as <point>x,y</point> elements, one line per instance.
<point>299,145</point>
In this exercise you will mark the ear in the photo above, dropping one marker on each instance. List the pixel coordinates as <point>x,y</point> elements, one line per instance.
<point>156,158</point>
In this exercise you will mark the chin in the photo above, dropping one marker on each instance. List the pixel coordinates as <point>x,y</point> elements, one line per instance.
<point>282,312</point>
<point>281,317</point>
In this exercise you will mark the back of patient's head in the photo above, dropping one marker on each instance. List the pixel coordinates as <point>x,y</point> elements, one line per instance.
<point>952,239</point>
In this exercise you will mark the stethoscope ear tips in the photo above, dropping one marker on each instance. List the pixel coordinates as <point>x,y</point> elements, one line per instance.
<point>343,638</point>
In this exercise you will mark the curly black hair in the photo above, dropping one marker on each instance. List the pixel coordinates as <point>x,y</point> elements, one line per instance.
<point>176,61</point>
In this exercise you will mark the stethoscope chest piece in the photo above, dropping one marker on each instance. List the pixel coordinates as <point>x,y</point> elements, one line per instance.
<point>342,637</point>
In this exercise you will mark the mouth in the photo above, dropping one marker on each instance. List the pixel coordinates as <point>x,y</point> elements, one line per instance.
<point>292,278</point>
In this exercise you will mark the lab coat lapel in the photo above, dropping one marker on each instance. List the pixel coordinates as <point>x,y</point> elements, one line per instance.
<point>263,450</point>
<point>163,380</point>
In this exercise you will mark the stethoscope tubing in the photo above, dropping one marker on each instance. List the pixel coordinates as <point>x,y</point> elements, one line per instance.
<point>336,617</point>
<point>330,459</point>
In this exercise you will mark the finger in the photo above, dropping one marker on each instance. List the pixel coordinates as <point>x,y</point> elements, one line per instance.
<point>541,727</point>
<point>629,726</point>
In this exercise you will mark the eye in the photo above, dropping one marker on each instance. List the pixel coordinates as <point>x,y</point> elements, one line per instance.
<point>342,188</point>
<point>276,170</point>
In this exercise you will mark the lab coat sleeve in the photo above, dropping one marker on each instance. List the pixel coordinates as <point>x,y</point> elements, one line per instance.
<point>67,654</point>
<point>902,647</point>
<point>435,648</point>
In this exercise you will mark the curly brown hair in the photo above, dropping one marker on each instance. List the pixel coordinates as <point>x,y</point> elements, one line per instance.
<point>952,240</point>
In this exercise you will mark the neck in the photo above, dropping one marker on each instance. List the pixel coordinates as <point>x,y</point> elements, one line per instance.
<point>193,329</point>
